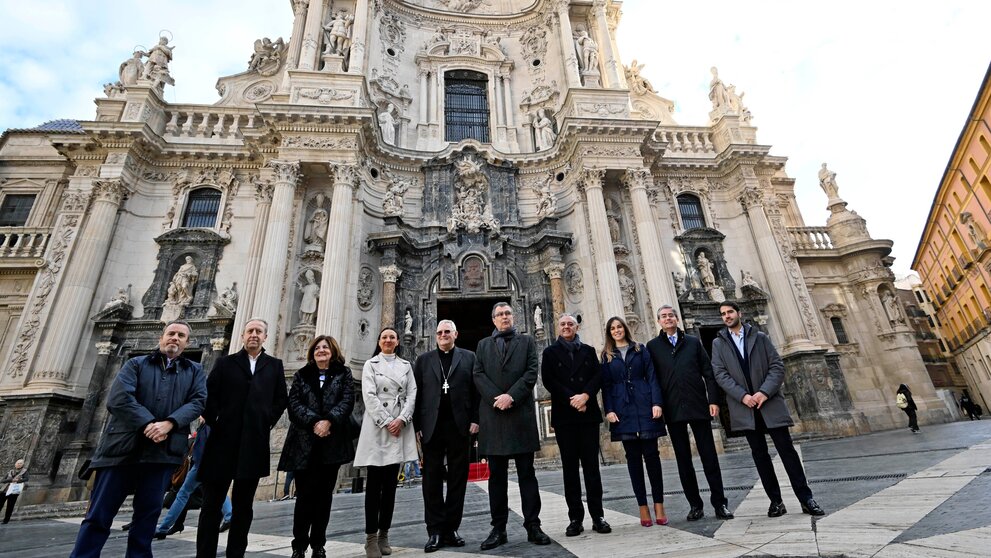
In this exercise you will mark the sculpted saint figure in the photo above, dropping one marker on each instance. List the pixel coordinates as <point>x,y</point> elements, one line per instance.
<point>184,281</point>
<point>228,298</point>
<point>157,66</point>
<point>315,233</point>
<point>705,271</point>
<point>717,91</point>
<point>130,69</point>
<point>628,289</point>
<point>392,204</point>
<point>892,308</point>
<point>387,121</point>
<point>543,129</point>
<point>308,305</point>
<point>588,52</point>
<point>538,318</point>
<point>827,179</point>
<point>408,323</point>
<point>338,34</point>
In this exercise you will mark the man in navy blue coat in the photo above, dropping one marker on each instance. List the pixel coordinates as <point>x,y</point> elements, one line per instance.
<point>152,401</point>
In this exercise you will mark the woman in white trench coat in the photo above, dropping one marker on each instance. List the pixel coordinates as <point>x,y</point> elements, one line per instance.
<point>386,440</point>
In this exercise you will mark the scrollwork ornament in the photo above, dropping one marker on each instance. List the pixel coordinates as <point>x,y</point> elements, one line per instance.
<point>263,190</point>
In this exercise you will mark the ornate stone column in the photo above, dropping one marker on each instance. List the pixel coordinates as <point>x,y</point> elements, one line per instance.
<point>783,303</point>
<point>610,299</point>
<point>555,272</point>
<point>312,33</point>
<point>71,312</point>
<point>356,59</point>
<point>245,305</point>
<point>605,44</point>
<point>333,285</point>
<point>568,45</point>
<point>390,274</point>
<point>267,297</point>
<point>424,96</point>
<point>659,285</point>
<point>295,40</point>
<point>507,90</point>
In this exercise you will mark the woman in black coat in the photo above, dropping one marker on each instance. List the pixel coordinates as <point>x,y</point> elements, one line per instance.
<point>631,398</point>
<point>319,440</point>
<point>905,394</point>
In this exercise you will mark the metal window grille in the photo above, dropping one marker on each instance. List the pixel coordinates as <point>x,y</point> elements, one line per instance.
<point>466,106</point>
<point>15,210</point>
<point>202,208</point>
<point>839,330</point>
<point>691,211</point>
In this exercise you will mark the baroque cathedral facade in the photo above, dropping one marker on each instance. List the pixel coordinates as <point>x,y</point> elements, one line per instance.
<point>396,162</point>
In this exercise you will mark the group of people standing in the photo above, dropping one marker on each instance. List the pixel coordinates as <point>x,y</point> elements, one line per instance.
<point>438,402</point>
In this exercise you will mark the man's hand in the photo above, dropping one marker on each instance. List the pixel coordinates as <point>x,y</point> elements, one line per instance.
<point>158,431</point>
<point>611,417</point>
<point>748,400</point>
<point>473,429</point>
<point>655,412</point>
<point>419,435</point>
<point>322,428</point>
<point>395,427</point>
<point>579,401</point>
<point>503,402</point>
<point>713,411</point>
<point>759,398</point>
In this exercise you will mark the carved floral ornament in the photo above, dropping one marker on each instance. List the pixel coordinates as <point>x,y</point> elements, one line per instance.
<point>751,197</point>
<point>638,178</point>
<point>697,185</point>
<point>112,191</point>
<point>591,178</point>
<point>347,143</point>
<point>286,172</point>
<point>834,310</point>
<point>345,174</point>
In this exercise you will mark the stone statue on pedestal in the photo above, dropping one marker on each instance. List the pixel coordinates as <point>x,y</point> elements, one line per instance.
<point>180,291</point>
<point>408,324</point>
<point>337,34</point>
<point>315,231</point>
<point>628,289</point>
<point>387,122</point>
<point>311,294</point>
<point>543,130</point>
<point>638,84</point>
<point>392,204</point>
<point>227,300</point>
<point>538,318</point>
<point>705,271</point>
<point>588,52</point>
<point>122,297</point>
<point>892,308</point>
<point>130,69</point>
<point>156,68</point>
<point>827,180</point>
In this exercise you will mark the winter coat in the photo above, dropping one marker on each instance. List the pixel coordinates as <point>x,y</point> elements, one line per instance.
<point>13,475</point>
<point>388,393</point>
<point>514,430</point>
<point>429,385</point>
<point>241,409</point>
<point>309,404</point>
<point>145,391</point>
<point>767,373</point>
<point>565,377</point>
<point>630,389</point>
<point>685,374</point>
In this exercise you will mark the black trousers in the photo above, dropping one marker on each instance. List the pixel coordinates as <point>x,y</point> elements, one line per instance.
<point>789,458</point>
<point>314,496</point>
<point>443,515</point>
<point>706,446</point>
<point>208,530</point>
<point>640,452</point>
<point>9,501</point>
<point>380,497</point>
<point>499,489</point>
<point>913,419</point>
<point>579,444</point>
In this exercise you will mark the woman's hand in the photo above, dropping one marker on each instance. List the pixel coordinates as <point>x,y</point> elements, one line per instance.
<point>322,428</point>
<point>656,412</point>
<point>395,427</point>
<point>612,418</point>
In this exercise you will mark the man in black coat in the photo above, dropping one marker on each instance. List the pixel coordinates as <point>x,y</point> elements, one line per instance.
<point>445,417</point>
<point>691,398</point>
<point>246,397</point>
<point>572,375</point>
<point>505,374</point>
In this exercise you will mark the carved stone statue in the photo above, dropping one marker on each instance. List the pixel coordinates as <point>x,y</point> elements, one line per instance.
<point>725,99</point>
<point>157,66</point>
<point>628,289</point>
<point>470,211</point>
<point>227,299</point>
<point>679,283</point>
<point>538,318</point>
<point>308,304</point>
<point>184,281</point>
<point>387,121</point>
<point>827,180</point>
<point>892,308</point>
<point>268,56</point>
<point>408,324</point>
<point>337,34</point>
<point>123,297</point>
<point>543,130</point>
<point>588,52</point>
<point>315,231</point>
<point>392,204</point>
<point>705,271</point>
<point>717,91</point>
<point>130,69</point>
<point>546,206</point>
<point>749,281</point>
<point>638,84</point>
<point>113,89</point>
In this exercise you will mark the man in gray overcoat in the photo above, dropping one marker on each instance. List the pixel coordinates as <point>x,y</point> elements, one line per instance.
<point>505,374</point>
<point>748,368</point>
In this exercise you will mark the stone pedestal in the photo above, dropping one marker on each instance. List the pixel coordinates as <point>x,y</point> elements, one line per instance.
<point>590,78</point>
<point>818,396</point>
<point>332,63</point>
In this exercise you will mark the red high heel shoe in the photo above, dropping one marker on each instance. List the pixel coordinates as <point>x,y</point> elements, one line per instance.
<point>645,517</point>
<point>662,518</point>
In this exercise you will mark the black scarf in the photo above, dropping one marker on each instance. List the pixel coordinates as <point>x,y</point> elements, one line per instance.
<point>570,346</point>
<point>502,338</point>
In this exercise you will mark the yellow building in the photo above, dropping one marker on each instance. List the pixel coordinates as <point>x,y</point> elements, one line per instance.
<point>954,255</point>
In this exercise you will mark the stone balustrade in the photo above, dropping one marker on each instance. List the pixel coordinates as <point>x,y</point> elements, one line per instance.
<point>686,139</point>
<point>810,238</point>
<point>194,123</point>
<point>22,242</point>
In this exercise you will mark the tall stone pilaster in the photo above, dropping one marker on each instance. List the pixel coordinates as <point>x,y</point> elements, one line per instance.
<point>245,305</point>
<point>658,277</point>
<point>333,286</point>
<point>312,34</point>
<point>356,59</point>
<point>299,9</point>
<point>610,298</point>
<point>571,70</point>
<point>390,274</point>
<point>605,45</point>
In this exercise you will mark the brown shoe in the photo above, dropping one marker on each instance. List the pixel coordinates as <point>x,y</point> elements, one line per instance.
<point>384,543</point>
<point>372,549</point>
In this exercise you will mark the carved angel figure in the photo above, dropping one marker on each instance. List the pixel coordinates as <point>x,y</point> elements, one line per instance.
<point>638,84</point>
<point>267,56</point>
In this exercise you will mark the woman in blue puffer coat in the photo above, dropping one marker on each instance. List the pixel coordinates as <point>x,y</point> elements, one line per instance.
<point>631,399</point>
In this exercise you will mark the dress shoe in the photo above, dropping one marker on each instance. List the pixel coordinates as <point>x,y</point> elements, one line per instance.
<point>695,514</point>
<point>452,539</point>
<point>536,535</point>
<point>812,508</point>
<point>126,526</point>
<point>225,526</point>
<point>574,529</point>
<point>496,538</point>
<point>319,553</point>
<point>599,525</point>
<point>776,509</point>
<point>722,512</point>
<point>433,544</point>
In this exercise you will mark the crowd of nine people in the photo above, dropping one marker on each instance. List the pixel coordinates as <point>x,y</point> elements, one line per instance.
<point>437,403</point>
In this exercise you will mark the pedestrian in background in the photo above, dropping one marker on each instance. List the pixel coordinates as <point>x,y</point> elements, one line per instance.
<point>11,487</point>
<point>904,401</point>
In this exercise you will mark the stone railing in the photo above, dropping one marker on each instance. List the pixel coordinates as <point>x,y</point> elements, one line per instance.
<point>22,242</point>
<point>687,140</point>
<point>810,238</point>
<point>198,122</point>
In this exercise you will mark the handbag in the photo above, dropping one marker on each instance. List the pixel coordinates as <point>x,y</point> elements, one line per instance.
<point>901,401</point>
<point>15,488</point>
<point>179,476</point>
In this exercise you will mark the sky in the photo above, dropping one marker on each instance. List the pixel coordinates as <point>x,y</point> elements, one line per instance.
<point>878,89</point>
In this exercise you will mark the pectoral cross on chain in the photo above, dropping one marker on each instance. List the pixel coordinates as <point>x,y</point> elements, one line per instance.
<point>445,386</point>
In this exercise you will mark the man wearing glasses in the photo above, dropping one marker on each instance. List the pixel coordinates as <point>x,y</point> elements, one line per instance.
<point>445,417</point>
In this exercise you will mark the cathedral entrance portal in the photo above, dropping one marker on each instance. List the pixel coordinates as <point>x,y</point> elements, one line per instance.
<point>472,316</point>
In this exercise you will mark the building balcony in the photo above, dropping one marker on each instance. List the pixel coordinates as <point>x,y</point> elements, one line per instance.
<point>810,238</point>
<point>22,243</point>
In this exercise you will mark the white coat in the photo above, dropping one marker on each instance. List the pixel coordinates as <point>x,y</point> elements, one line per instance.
<point>389,392</point>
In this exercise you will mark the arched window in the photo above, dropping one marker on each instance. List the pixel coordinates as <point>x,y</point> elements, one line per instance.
<point>839,330</point>
<point>466,106</point>
<point>691,211</point>
<point>202,208</point>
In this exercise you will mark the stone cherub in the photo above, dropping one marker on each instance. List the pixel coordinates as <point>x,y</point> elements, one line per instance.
<point>123,297</point>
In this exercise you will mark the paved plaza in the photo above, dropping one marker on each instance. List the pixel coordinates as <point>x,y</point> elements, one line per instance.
<point>886,494</point>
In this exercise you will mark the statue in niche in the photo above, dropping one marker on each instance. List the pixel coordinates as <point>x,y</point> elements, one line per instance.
<point>827,180</point>
<point>308,304</point>
<point>892,308</point>
<point>470,210</point>
<point>408,324</point>
<point>122,298</point>
<point>130,69</point>
<point>543,130</point>
<point>227,300</point>
<point>315,231</point>
<point>267,57</point>
<point>474,275</point>
<point>638,84</point>
<point>183,282</point>
<point>392,204</point>
<point>546,207</point>
<point>337,34</point>
<point>717,91</point>
<point>387,121</point>
<point>538,318</point>
<point>615,231</point>
<point>588,52</point>
<point>157,66</point>
<point>628,289</point>
<point>705,271</point>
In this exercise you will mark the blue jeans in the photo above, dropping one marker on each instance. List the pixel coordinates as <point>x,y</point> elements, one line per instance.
<point>182,498</point>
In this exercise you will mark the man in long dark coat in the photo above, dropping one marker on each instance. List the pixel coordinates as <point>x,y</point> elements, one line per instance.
<point>748,368</point>
<point>246,397</point>
<point>445,417</point>
<point>572,375</point>
<point>691,398</point>
<point>505,374</point>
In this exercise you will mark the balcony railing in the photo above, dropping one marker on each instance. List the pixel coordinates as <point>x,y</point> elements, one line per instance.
<point>205,122</point>
<point>810,238</point>
<point>687,140</point>
<point>22,242</point>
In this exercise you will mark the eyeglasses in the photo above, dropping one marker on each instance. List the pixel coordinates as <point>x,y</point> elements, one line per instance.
<point>444,332</point>
<point>503,313</point>
<point>568,324</point>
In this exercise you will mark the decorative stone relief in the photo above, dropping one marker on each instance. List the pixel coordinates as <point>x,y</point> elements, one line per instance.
<point>226,303</point>
<point>533,44</point>
<point>602,110</point>
<point>470,209</point>
<point>366,288</point>
<point>546,204</point>
<point>392,33</point>
<point>122,298</point>
<point>776,220</point>
<point>892,308</point>
<point>258,91</point>
<point>473,274</point>
<point>346,143</point>
<point>222,178</point>
<point>392,204</point>
<point>574,283</point>
<point>540,96</point>
<point>324,95</point>
<point>749,286</point>
<point>268,56</point>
